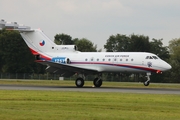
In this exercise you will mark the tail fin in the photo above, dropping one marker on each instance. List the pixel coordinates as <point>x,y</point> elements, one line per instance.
<point>37,41</point>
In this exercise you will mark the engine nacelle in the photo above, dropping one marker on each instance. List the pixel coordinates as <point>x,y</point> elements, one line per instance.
<point>66,48</point>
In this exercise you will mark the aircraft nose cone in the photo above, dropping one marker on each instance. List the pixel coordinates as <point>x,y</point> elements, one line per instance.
<point>168,66</point>
<point>165,66</point>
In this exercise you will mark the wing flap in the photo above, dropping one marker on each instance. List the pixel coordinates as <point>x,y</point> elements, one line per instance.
<point>62,72</point>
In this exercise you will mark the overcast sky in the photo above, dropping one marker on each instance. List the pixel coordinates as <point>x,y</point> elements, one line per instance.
<point>96,20</point>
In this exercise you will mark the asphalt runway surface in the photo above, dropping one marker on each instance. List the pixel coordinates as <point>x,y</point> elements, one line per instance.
<point>91,89</point>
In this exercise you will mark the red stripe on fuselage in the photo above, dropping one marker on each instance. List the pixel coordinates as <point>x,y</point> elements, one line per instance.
<point>42,56</point>
<point>120,65</point>
<point>34,52</point>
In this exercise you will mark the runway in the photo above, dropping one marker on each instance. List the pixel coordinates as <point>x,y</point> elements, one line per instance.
<point>91,89</point>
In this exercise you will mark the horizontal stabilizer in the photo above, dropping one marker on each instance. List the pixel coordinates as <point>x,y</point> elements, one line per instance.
<point>14,26</point>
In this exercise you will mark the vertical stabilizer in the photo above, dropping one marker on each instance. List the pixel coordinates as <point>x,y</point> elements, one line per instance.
<point>37,41</point>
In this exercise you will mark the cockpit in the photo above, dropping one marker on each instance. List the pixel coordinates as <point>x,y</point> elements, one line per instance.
<point>152,57</point>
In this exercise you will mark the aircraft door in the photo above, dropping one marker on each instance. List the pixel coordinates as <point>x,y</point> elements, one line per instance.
<point>142,62</point>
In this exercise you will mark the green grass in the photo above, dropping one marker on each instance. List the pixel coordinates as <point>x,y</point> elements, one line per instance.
<point>63,105</point>
<point>88,83</point>
<point>59,105</point>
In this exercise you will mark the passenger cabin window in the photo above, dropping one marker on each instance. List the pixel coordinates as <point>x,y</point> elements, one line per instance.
<point>86,59</point>
<point>120,59</point>
<point>103,59</point>
<point>132,59</point>
<point>109,59</point>
<point>91,59</point>
<point>126,59</point>
<point>97,59</point>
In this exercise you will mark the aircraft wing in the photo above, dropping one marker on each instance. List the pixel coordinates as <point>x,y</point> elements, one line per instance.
<point>65,70</point>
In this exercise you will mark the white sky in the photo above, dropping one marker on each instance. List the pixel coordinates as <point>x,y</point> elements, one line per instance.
<point>96,20</point>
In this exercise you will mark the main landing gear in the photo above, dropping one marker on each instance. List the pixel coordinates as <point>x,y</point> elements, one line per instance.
<point>79,82</point>
<point>147,82</point>
<point>97,81</point>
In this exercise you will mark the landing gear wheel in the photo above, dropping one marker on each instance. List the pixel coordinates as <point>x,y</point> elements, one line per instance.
<point>97,82</point>
<point>79,82</point>
<point>146,83</point>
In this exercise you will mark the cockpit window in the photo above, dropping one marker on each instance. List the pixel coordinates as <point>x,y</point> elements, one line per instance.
<point>147,57</point>
<point>155,57</point>
<point>151,57</point>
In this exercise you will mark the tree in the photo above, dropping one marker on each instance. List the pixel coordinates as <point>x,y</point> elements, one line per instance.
<point>15,55</point>
<point>139,43</point>
<point>117,43</point>
<point>174,48</point>
<point>85,45</point>
<point>156,47</point>
<point>63,39</point>
<point>123,43</point>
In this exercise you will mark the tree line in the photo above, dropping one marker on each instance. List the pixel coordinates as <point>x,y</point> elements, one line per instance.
<point>15,56</point>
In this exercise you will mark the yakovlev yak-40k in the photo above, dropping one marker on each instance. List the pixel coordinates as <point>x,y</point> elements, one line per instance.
<point>67,61</point>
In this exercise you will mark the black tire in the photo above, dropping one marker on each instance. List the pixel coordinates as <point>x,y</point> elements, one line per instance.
<point>146,83</point>
<point>79,82</point>
<point>97,83</point>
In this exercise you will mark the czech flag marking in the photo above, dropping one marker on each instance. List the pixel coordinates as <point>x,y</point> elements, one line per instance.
<point>42,43</point>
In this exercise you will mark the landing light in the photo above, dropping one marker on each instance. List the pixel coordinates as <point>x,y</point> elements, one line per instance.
<point>159,72</point>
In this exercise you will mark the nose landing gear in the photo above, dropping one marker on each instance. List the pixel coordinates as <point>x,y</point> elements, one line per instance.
<point>147,82</point>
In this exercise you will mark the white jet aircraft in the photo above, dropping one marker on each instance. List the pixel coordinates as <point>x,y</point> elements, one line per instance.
<point>67,61</point>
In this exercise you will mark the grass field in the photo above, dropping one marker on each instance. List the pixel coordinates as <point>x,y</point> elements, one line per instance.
<point>88,83</point>
<point>59,105</point>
